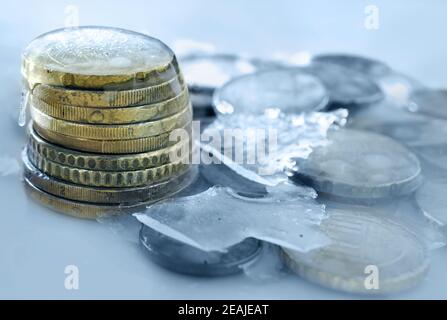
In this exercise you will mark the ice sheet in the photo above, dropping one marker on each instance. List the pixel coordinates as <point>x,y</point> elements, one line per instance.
<point>219,218</point>
<point>285,138</point>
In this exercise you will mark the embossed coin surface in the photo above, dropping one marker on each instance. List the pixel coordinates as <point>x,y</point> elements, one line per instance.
<point>109,146</point>
<point>360,164</point>
<point>113,132</point>
<point>110,98</point>
<point>99,178</point>
<point>111,195</point>
<point>111,162</point>
<point>116,115</point>
<point>79,209</point>
<point>368,254</point>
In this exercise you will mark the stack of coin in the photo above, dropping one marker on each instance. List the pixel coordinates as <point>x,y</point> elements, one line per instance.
<point>105,106</point>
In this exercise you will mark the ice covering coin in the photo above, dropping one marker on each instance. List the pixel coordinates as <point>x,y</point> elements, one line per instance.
<point>363,241</point>
<point>360,164</point>
<point>95,57</point>
<point>291,91</point>
<point>180,257</point>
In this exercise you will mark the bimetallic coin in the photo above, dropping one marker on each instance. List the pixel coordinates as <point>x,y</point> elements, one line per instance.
<point>110,146</point>
<point>99,178</point>
<point>291,91</point>
<point>429,102</point>
<point>97,58</point>
<point>360,165</point>
<point>124,196</point>
<point>110,98</point>
<point>112,132</point>
<point>124,115</point>
<point>185,259</point>
<point>364,65</point>
<point>93,161</point>
<point>368,254</point>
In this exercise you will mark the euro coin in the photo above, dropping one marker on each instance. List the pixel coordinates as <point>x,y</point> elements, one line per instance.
<point>347,88</point>
<point>110,146</point>
<point>118,196</point>
<point>109,98</point>
<point>112,132</point>
<point>290,91</point>
<point>360,165</point>
<point>97,57</point>
<point>368,254</point>
<point>182,258</point>
<point>122,115</point>
<point>79,209</point>
<point>93,161</point>
<point>98,178</point>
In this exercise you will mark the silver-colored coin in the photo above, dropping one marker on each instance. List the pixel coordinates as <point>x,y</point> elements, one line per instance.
<point>346,87</point>
<point>183,258</point>
<point>360,165</point>
<point>432,199</point>
<point>430,102</point>
<point>416,132</point>
<point>368,254</point>
<point>290,91</point>
<point>364,65</point>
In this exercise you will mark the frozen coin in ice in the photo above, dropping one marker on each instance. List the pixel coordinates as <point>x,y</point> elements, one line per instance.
<point>219,218</point>
<point>346,87</point>
<point>182,258</point>
<point>290,91</point>
<point>360,165</point>
<point>432,199</point>
<point>395,85</point>
<point>206,72</point>
<point>365,65</point>
<point>430,102</point>
<point>419,131</point>
<point>368,254</point>
<point>93,57</point>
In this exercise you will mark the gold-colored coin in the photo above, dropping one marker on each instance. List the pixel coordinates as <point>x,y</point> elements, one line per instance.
<point>125,196</point>
<point>113,132</point>
<point>97,58</point>
<point>109,146</point>
<point>82,210</point>
<point>35,74</point>
<point>99,178</point>
<point>94,161</point>
<point>111,98</point>
<point>124,115</point>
